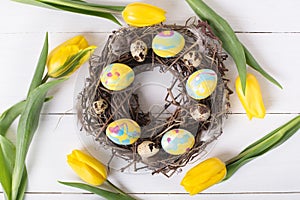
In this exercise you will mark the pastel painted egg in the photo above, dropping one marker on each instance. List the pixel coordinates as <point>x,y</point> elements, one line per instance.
<point>123,131</point>
<point>201,83</point>
<point>177,141</point>
<point>117,76</point>
<point>167,43</point>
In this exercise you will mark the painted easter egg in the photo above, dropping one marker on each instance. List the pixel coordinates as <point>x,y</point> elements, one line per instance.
<point>201,83</point>
<point>167,43</point>
<point>117,76</point>
<point>123,131</point>
<point>177,141</point>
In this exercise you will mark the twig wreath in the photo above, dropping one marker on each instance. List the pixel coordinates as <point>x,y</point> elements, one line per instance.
<point>164,137</point>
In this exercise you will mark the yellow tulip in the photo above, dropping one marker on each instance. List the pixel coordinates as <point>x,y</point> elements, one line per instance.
<point>252,100</point>
<point>142,14</point>
<point>87,167</point>
<point>204,175</point>
<point>68,57</point>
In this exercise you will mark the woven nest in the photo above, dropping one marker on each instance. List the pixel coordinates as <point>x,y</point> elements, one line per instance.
<point>174,112</point>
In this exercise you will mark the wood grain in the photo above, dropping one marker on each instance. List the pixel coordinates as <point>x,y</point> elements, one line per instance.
<point>269,28</point>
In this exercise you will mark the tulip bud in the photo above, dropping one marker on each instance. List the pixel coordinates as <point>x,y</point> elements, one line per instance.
<point>252,99</point>
<point>87,167</point>
<point>68,57</point>
<point>142,14</point>
<point>204,175</point>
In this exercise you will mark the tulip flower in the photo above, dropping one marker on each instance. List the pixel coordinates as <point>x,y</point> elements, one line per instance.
<point>213,170</point>
<point>252,99</point>
<point>87,168</point>
<point>68,57</point>
<point>142,14</point>
<point>93,172</point>
<point>204,175</point>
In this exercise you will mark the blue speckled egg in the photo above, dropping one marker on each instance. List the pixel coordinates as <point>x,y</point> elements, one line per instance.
<point>117,76</point>
<point>123,131</point>
<point>177,141</point>
<point>167,43</point>
<point>201,83</point>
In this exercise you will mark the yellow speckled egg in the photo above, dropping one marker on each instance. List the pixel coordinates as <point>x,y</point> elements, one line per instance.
<point>168,44</point>
<point>117,76</point>
<point>177,141</point>
<point>123,131</point>
<point>201,83</point>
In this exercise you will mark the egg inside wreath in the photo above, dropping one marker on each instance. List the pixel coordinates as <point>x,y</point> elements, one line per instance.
<point>156,95</point>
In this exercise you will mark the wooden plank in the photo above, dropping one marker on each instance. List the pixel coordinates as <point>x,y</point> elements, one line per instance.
<point>57,136</point>
<point>18,61</point>
<point>245,16</point>
<point>284,196</point>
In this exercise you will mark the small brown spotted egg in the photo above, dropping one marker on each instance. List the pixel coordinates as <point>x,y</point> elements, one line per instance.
<point>147,149</point>
<point>192,59</point>
<point>138,50</point>
<point>200,112</point>
<point>100,106</point>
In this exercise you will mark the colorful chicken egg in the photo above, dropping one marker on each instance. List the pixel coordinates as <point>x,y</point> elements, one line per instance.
<point>177,141</point>
<point>168,43</point>
<point>201,83</point>
<point>123,131</point>
<point>117,76</point>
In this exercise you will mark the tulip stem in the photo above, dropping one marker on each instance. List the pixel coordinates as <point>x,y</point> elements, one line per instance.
<point>116,188</point>
<point>46,77</point>
<point>263,145</point>
<point>84,6</point>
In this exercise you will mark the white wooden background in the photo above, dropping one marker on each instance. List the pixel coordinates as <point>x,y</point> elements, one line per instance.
<point>269,28</point>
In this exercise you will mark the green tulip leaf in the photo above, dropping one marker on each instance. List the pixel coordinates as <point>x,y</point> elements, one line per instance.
<point>7,157</point>
<point>23,186</point>
<point>79,6</point>
<point>263,145</point>
<point>106,8</point>
<point>92,12</point>
<point>26,128</point>
<point>9,116</point>
<point>7,162</point>
<point>40,68</point>
<point>225,33</point>
<point>103,193</point>
<point>254,65</point>
<point>35,3</point>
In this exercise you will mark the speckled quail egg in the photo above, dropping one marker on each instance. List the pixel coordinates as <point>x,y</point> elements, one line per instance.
<point>192,58</point>
<point>138,50</point>
<point>200,112</point>
<point>100,106</point>
<point>147,149</point>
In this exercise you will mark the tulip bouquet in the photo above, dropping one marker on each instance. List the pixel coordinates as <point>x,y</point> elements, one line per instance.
<point>61,63</point>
